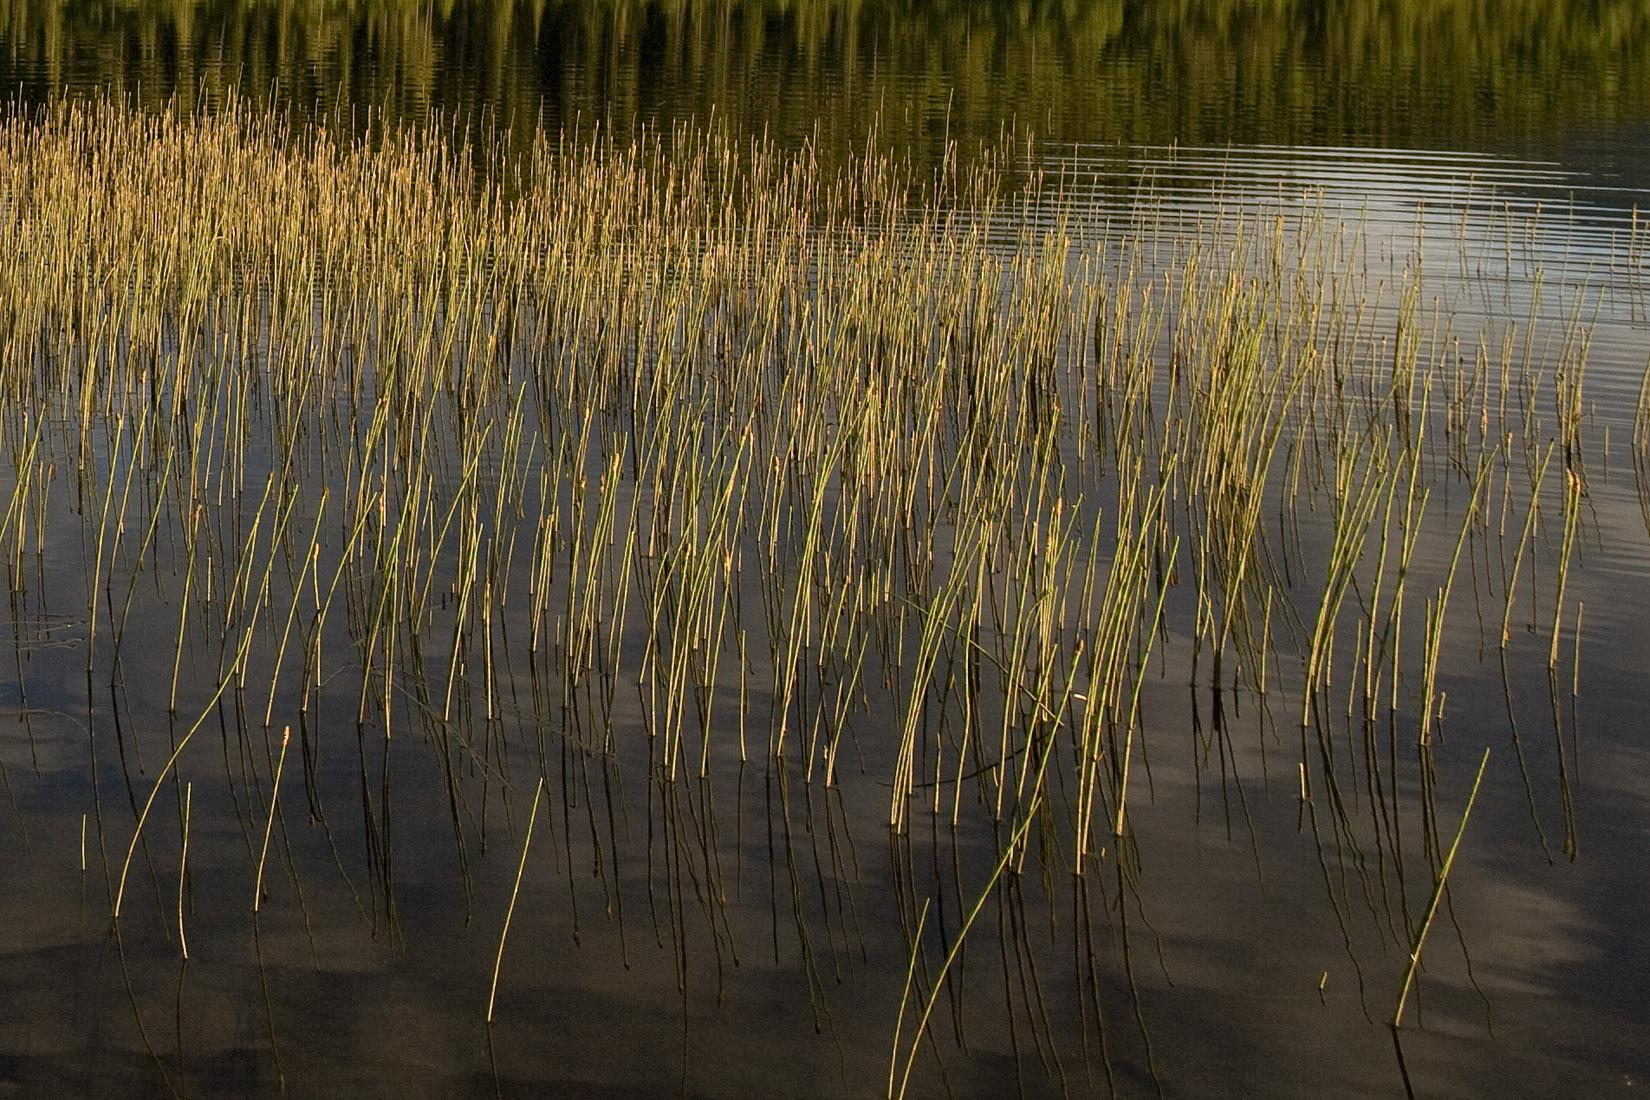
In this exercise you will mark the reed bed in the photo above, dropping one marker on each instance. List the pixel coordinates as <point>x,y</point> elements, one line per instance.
<point>894,485</point>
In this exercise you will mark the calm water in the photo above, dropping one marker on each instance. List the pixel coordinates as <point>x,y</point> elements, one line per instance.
<point>750,934</point>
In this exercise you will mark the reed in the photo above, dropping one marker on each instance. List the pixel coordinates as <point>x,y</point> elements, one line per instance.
<point>600,454</point>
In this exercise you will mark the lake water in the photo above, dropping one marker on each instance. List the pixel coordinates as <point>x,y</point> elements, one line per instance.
<point>1472,169</point>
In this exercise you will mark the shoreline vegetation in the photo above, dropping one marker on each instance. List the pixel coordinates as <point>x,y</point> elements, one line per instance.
<point>911,487</point>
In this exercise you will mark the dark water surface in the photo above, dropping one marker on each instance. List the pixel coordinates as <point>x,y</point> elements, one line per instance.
<point>1550,78</point>
<point>749,932</point>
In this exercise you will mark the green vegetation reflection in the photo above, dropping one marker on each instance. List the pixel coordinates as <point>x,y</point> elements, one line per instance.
<point>1377,72</point>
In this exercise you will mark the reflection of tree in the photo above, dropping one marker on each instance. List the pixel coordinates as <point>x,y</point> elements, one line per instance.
<point>1390,71</point>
